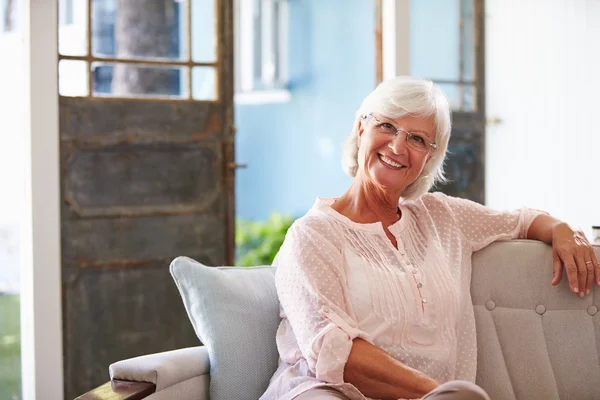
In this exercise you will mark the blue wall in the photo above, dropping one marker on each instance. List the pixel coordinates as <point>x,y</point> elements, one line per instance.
<point>293,149</point>
<point>434,38</point>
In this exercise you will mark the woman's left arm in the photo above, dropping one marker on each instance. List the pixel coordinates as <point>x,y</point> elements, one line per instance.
<point>571,249</point>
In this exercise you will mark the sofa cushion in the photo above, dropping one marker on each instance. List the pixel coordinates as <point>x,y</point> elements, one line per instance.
<point>235,313</point>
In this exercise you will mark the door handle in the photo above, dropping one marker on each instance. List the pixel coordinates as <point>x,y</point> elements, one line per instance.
<point>237,166</point>
<point>493,121</point>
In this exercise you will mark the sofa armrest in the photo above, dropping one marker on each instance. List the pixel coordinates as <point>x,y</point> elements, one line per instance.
<point>178,372</point>
<point>163,369</point>
<point>120,390</point>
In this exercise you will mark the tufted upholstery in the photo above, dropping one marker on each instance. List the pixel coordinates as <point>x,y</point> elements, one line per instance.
<point>534,341</point>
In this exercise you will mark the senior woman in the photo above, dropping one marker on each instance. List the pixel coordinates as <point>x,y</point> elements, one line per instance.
<point>375,285</point>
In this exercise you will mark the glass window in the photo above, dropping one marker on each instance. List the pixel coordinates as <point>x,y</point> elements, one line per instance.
<point>139,80</point>
<point>122,30</point>
<point>12,104</point>
<point>203,26</point>
<point>261,43</point>
<point>165,50</point>
<point>8,15</point>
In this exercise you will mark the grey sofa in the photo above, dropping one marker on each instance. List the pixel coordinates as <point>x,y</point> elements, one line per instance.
<point>535,341</point>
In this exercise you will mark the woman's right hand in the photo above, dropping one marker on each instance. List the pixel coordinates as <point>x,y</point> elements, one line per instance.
<point>376,374</point>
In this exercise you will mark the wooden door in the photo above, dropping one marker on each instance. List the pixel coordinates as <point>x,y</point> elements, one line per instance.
<point>462,77</point>
<point>147,143</point>
<point>465,163</point>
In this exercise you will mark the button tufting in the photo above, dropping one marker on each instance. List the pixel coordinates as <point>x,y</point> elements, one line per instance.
<point>540,309</point>
<point>490,305</point>
<point>592,310</point>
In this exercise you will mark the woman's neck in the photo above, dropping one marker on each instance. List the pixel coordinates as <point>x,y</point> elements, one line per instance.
<point>364,202</point>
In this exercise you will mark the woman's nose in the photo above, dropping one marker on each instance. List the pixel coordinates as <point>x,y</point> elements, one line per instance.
<point>398,143</point>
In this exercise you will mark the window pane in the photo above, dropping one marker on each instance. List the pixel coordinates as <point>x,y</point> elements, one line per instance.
<point>72,78</point>
<point>10,342</point>
<point>461,97</point>
<point>13,117</point>
<point>442,39</point>
<point>204,83</point>
<point>150,29</point>
<point>9,15</point>
<point>204,28</point>
<point>72,27</point>
<point>134,80</point>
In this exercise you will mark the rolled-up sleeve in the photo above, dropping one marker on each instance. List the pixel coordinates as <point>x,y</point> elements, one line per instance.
<point>311,286</point>
<point>481,225</point>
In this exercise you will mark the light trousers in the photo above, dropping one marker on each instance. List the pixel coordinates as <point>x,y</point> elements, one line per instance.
<point>453,390</point>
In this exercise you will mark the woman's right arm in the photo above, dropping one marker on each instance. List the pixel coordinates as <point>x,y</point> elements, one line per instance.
<point>311,286</point>
<point>379,375</point>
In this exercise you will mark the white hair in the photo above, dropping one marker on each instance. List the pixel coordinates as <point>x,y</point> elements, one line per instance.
<point>396,98</point>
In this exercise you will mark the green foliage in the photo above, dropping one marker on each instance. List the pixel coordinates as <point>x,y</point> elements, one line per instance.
<point>10,347</point>
<point>257,243</point>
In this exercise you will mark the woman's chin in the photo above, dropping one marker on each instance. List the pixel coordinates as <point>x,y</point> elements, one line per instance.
<point>389,180</point>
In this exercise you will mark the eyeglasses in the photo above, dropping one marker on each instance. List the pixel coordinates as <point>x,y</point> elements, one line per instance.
<point>413,140</point>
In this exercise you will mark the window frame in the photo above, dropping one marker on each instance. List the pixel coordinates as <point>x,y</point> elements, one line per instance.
<point>186,64</point>
<point>251,49</point>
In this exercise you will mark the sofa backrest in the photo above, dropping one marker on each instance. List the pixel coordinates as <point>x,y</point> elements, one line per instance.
<point>534,341</point>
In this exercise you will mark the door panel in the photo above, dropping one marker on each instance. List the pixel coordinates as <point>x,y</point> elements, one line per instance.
<point>446,46</point>
<point>144,180</point>
<point>465,163</point>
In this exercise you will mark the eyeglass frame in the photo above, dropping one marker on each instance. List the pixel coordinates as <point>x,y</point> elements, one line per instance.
<point>432,145</point>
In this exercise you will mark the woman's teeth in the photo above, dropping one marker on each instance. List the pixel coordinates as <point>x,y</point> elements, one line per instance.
<point>390,162</point>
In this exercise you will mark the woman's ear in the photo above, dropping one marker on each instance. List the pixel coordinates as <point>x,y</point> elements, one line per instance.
<point>360,129</point>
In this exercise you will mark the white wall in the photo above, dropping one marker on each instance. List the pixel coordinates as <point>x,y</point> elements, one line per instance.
<point>543,81</point>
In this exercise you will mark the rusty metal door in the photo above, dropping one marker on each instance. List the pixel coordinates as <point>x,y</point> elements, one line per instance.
<point>147,156</point>
<point>465,164</point>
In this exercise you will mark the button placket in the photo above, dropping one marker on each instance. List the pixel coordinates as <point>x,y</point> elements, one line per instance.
<point>418,281</point>
<point>416,274</point>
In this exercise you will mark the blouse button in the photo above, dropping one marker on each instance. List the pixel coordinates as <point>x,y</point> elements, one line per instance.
<point>424,300</point>
<point>326,309</point>
<point>419,285</point>
<point>414,271</point>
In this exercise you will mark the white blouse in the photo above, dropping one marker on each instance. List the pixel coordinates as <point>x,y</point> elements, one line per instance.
<point>338,280</point>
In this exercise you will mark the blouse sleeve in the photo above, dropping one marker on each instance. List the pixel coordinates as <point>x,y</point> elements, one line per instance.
<point>480,225</point>
<point>310,284</point>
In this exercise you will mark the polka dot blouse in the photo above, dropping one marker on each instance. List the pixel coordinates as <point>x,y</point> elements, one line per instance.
<point>338,280</point>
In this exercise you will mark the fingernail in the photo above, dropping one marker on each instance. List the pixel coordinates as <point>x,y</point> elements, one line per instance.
<point>576,289</point>
<point>587,291</point>
<point>581,294</point>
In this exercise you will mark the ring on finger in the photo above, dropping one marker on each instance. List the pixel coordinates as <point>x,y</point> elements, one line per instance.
<point>589,262</point>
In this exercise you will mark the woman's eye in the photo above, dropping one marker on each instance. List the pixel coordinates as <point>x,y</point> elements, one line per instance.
<point>388,127</point>
<point>418,139</point>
